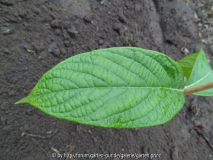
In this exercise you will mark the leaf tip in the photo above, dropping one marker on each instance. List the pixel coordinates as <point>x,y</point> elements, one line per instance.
<point>23,100</point>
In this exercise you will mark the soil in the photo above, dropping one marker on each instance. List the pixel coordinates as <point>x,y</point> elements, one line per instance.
<point>37,35</point>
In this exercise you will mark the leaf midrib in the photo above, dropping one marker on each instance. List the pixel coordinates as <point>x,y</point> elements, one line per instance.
<point>198,80</point>
<point>122,87</point>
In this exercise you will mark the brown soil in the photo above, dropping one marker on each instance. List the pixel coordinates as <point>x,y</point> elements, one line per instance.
<point>36,35</point>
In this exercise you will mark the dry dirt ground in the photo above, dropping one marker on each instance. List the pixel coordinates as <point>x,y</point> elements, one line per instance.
<point>36,35</point>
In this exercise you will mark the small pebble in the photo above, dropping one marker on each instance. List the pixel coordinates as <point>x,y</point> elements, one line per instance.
<point>3,120</point>
<point>29,111</point>
<point>52,47</point>
<point>63,51</point>
<point>44,8</point>
<point>6,51</point>
<point>67,43</point>
<point>56,52</point>
<point>65,34</point>
<point>53,16</point>
<point>95,140</point>
<point>117,26</point>
<point>101,42</point>
<point>199,24</point>
<point>72,32</point>
<point>55,23</point>
<point>36,11</point>
<point>87,19</point>
<point>121,18</point>
<point>22,14</point>
<point>66,24</point>
<point>38,47</point>
<point>185,50</point>
<point>57,32</point>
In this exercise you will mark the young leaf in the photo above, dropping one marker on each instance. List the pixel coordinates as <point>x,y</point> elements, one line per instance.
<point>200,74</point>
<point>187,64</point>
<point>123,87</point>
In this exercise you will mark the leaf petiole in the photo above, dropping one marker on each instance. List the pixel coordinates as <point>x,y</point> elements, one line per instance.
<point>198,88</point>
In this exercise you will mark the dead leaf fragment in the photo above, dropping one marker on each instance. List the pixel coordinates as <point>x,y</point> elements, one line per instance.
<point>55,150</point>
<point>195,15</point>
<point>31,51</point>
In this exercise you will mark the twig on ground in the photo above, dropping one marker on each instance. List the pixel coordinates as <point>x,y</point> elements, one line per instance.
<point>40,147</point>
<point>71,147</point>
<point>181,39</point>
<point>197,110</point>
<point>33,135</point>
<point>183,49</point>
<point>204,137</point>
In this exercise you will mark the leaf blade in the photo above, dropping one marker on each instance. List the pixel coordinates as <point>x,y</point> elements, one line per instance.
<point>201,74</point>
<point>104,88</point>
<point>187,64</point>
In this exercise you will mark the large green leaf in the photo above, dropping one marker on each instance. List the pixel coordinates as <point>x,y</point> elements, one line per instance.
<point>201,74</point>
<point>123,87</point>
<point>187,64</point>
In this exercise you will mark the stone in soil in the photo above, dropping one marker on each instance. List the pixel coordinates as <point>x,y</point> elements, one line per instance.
<point>36,11</point>
<point>56,52</point>
<point>87,19</point>
<point>6,51</point>
<point>101,42</point>
<point>66,24</point>
<point>63,51</point>
<point>67,43</point>
<point>38,47</point>
<point>22,14</point>
<point>65,34</point>
<point>72,32</point>
<point>3,120</point>
<point>117,27</point>
<point>55,23</point>
<point>52,47</point>
<point>57,32</point>
<point>121,18</point>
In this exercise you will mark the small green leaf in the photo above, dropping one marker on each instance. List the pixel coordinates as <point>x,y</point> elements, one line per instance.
<point>187,64</point>
<point>200,74</point>
<point>122,87</point>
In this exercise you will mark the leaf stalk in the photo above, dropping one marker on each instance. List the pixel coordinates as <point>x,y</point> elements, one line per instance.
<point>198,88</point>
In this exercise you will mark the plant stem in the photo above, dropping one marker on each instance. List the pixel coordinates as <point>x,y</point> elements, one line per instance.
<point>198,88</point>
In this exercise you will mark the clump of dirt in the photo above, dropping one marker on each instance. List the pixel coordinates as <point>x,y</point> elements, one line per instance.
<point>36,35</point>
<point>203,13</point>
